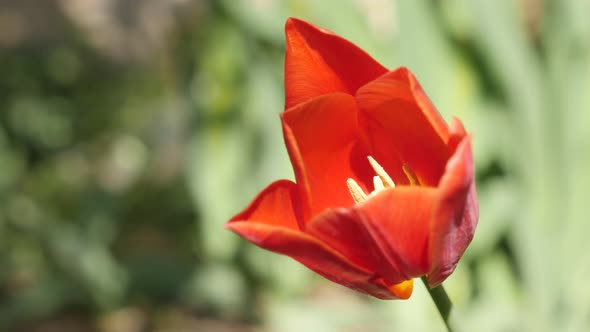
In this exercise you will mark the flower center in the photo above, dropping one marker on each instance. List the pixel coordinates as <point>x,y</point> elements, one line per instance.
<point>380,181</point>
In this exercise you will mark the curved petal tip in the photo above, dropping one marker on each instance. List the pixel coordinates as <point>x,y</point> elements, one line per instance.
<point>319,62</point>
<point>403,290</point>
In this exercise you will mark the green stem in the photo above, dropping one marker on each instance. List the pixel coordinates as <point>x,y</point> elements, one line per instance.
<point>442,302</point>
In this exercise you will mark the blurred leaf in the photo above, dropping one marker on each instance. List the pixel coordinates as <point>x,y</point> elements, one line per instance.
<point>89,264</point>
<point>216,287</point>
<point>216,87</point>
<point>263,18</point>
<point>499,204</point>
<point>283,276</point>
<point>423,49</point>
<point>261,108</point>
<point>217,161</point>
<point>498,298</point>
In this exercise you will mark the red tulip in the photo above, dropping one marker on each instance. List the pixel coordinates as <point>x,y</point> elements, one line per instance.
<point>352,127</point>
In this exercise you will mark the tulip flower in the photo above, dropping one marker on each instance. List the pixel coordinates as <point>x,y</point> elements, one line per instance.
<point>384,189</point>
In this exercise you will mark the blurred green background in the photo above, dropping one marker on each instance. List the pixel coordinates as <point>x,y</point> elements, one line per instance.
<point>130,131</point>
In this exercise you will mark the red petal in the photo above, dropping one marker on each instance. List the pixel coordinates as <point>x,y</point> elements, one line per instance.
<point>455,214</point>
<point>345,231</point>
<point>434,117</point>
<point>319,62</point>
<point>400,118</point>
<point>457,133</point>
<point>315,255</point>
<point>322,139</point>
<point>278,204</point>
<point>399,220</point>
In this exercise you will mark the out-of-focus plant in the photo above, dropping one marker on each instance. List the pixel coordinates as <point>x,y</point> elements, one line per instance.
<point>125,147</point>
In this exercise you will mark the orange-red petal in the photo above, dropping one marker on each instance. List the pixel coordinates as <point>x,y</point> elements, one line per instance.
<point>314,254</point>
<point>403,127</point>
<point>278,204</point>
<point>455,214</point>
<point>399,220</point>
<point>345,231</point>
<point>434,118</point>
<point>322,137</point>
<point>341,106</point>
<point>318,62</point>
<point>456,134</point>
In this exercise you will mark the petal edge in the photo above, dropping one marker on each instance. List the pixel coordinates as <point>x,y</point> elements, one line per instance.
<point>315,255</point>
<point>455,214</point>
<point>319,62</point>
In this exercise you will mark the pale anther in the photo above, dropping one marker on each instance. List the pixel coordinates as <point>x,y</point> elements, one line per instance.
<point>377,183</point>
<point>356,191</point>
<point>386,180</point>
<point>380,182</point>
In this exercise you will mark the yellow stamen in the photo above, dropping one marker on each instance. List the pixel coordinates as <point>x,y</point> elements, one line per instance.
<point>356,191</point>
<point>411,175</point>
<point>385,179</point>
<point>380,182</point>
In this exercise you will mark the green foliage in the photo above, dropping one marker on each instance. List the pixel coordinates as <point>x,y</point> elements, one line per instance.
<point>119,171</point>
